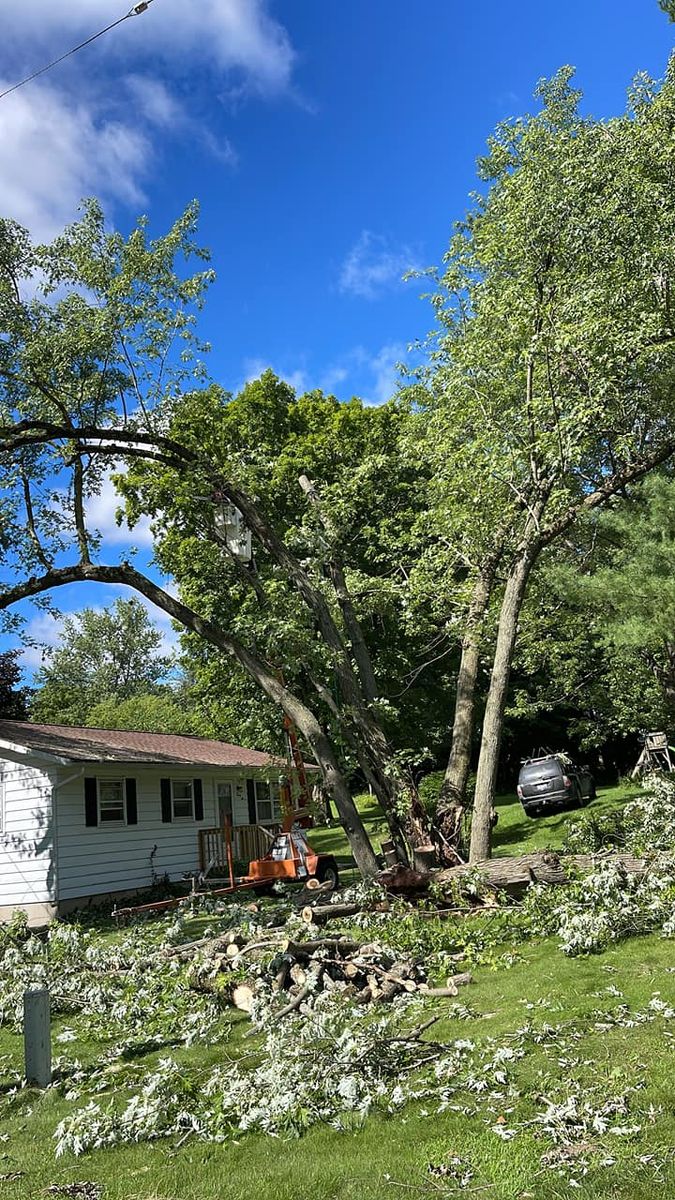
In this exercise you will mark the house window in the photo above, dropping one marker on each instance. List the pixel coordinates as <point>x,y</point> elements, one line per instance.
<point>111,807</point>
<point>182,800</point>
<point>267,804</point>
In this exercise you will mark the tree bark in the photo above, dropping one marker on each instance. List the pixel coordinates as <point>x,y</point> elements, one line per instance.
<point>516,874</point>
<point>488,762</point>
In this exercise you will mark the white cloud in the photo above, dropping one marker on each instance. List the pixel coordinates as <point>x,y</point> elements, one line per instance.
<point>154,101</point>
<point>53,152</point>
<point>45,629</point>
<point>383,368</point>
<point>155,104</point>
<point>237,36</point>
<point>373,375</point>
<point>255,367</point>
<point>373,265</point>
<point>89,127</point>
<point>100,514</point>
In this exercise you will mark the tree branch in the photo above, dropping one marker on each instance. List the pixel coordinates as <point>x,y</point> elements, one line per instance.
<point>630,473</point>
<point>354,632</point>
<point>30,521</point>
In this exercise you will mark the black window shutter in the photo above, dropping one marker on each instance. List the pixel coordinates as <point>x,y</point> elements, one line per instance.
<point>165,785</point>
<point>250,792</point>
<point>198,793</point>
<point>90,800</point>
<point>132,805</point>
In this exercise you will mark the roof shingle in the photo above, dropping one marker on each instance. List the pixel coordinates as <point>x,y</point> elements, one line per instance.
<point>121,745</point>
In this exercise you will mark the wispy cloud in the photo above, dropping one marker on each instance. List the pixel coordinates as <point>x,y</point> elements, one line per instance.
<point>90,126</point>
<point>101,513</point>
<point>230,36</point>
<point>153,101</point>
<point>371,374</point>
<point>373,265</point>
<point>383,366</point>
<point>255,367</point>
<point>53,152</point>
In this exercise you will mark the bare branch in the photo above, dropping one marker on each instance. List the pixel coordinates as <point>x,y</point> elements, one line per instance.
<point>78,508</point>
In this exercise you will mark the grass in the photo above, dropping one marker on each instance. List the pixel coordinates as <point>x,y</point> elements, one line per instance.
<point>388,1157</point>
<point>515,833</point>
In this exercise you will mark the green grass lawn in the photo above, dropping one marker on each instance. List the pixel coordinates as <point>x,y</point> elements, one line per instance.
<point>570,1002</point>
<point>515,833</point>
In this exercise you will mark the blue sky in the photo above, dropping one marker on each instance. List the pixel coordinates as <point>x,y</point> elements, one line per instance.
<point>331,147</point>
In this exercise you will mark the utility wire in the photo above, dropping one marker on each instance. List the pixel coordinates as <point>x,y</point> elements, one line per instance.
<point>133,12</point>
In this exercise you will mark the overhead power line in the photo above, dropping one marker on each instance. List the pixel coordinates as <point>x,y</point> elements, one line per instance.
<point>133,12</point>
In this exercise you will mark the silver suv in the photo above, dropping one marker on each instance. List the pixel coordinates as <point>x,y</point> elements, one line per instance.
<point>553,782</point>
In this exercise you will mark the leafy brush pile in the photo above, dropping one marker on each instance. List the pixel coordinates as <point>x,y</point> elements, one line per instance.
<point>337,1067</point>
<point>645,825</point>
<point>130,986</point>
<point>604,907</point>
<point>331,1066</point>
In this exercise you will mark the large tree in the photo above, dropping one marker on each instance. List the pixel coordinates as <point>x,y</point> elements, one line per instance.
<point>13,696</point>
<point>96,367</point>
<point>553,382</point>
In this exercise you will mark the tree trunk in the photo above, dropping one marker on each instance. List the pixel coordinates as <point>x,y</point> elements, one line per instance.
<point>488,762</point>
<point>459,762</point>
<point>515,875</point>
<point>294,708</point>
<point>447,825</point>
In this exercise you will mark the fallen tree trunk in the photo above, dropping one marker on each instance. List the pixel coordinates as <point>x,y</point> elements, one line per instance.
<point>514,875</point>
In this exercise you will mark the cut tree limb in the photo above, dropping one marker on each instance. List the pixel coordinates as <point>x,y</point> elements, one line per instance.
<point>319,913</point>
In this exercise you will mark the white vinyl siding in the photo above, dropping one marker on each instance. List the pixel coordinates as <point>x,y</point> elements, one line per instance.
<point>110,857</point>
<point>26,839</point>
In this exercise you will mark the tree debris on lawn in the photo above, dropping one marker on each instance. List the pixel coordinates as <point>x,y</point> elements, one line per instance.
<point>365,972</point>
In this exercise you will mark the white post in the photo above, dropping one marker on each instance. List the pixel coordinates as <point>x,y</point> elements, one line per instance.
<point>37,1037</point>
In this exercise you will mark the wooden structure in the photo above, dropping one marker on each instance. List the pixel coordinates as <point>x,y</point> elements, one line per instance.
<point>655,755</point>
<point>248,842</point>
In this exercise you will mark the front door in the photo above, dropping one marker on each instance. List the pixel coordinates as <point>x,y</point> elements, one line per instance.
<point>224,798</point>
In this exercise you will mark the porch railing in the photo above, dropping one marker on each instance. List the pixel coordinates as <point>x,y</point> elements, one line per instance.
<point>248,842</point>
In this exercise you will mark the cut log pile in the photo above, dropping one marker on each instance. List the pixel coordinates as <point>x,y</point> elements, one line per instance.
<point>367,973</point>
<point>239,965</point>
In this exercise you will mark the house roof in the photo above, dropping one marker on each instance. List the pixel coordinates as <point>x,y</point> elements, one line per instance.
<point>74,744</point>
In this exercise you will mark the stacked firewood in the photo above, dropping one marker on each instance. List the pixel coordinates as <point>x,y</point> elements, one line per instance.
<point>365,972</point>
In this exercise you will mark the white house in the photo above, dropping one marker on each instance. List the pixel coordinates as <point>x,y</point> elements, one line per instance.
<point>88,813</point>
